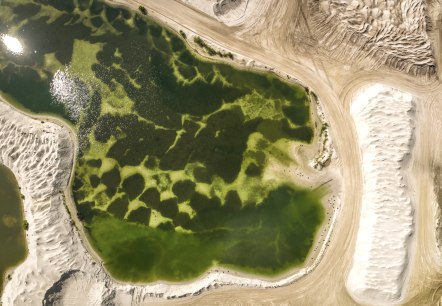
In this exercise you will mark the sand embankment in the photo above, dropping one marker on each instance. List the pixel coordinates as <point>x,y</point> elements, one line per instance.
<point>384,122</point>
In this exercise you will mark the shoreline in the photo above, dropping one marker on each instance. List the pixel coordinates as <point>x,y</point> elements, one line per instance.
<point>246,63</point>
<point>335,80</point>
<point>72,209</point>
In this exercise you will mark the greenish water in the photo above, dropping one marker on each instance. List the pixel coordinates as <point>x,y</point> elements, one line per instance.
<point>182,161</point>
<point>12,236</point>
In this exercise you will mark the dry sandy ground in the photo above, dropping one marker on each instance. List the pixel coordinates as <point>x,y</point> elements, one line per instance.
<point>271,41</point>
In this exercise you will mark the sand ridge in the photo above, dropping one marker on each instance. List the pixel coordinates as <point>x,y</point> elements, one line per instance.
<point>384,122</point>
<point>61,267</point>
<point>375,33</point>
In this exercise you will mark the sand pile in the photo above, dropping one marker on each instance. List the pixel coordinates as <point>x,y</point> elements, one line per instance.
<point>232,12</point>
<point>384,122</point>
<point>368,34</point>
<point>392,33</point>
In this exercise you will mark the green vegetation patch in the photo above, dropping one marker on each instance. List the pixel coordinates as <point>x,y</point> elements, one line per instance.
<point>200,42</point>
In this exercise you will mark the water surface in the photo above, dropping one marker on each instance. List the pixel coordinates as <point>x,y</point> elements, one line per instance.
<point>12,234</point>
<point>183,163</point>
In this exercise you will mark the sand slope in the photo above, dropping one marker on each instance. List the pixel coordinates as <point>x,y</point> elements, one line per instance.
<point>384,122</point>
<point>40,155</point>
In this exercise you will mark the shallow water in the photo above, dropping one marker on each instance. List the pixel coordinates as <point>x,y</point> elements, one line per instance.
<point>176,171</point>
<point>12,235</point>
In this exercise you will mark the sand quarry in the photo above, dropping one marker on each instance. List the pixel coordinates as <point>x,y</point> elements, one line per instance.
<point>373,65</point>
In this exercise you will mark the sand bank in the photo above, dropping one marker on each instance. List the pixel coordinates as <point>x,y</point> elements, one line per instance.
<point>384,122</point>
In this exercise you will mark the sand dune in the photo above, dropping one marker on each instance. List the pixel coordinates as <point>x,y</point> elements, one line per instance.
<point>376,33</point>
<point>231,13</point>
<point>40,154</point>
<point>63,279</point>
<point>384,122</point>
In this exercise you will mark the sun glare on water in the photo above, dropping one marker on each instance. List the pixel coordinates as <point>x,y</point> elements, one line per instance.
<point>69,91</point>
<point>12,44</point>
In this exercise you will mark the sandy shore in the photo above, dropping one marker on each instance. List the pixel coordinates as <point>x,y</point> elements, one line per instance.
<point>40,154</point>
<point>384,122</point>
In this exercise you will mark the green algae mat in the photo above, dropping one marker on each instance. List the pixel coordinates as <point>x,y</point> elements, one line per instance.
<point>12,234</point>
<point>181,160</point>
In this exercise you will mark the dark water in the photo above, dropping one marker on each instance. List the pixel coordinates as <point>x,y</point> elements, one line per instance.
<point>12,236</point>
<point>180,159</point>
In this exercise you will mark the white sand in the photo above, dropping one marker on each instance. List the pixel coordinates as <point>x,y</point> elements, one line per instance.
<point>40,156</point>
<point>384,122</point>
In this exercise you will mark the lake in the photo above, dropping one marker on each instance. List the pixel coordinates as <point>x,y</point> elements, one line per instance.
<point>179,156</point>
